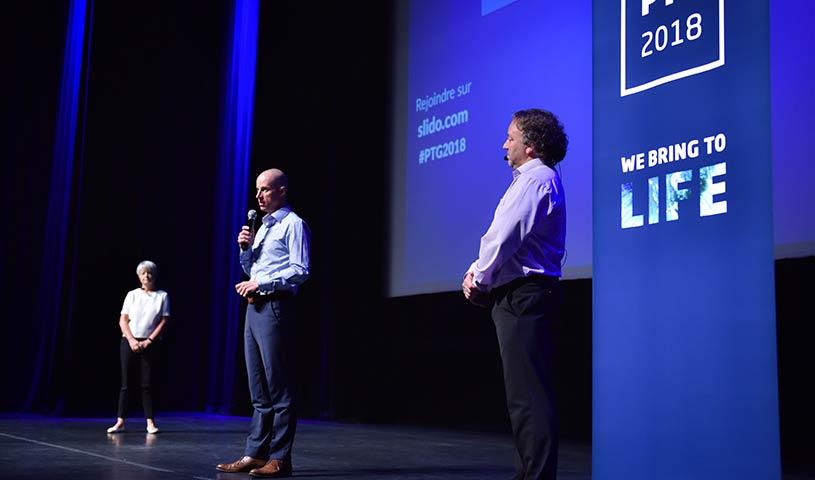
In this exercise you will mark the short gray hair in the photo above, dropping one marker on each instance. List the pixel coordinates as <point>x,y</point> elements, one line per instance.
<point>146,265</point>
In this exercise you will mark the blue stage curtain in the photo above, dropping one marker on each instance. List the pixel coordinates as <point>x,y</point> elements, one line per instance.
<point>52,314</point>
<point>230,204</point>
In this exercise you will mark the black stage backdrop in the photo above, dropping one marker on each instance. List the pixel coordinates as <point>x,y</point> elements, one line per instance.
<point>148,170</point>
<point>144,172</point>
<point>33,50</point>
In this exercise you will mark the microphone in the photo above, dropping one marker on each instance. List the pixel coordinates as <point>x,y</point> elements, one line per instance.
<point>252,215</point>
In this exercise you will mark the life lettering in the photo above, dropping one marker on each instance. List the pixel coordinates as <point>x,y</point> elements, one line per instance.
<point>678,187</point>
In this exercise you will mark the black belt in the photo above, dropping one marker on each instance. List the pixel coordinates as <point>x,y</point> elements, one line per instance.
<point>536,278</point>
<point>540,278</point>
<point>268,297</point>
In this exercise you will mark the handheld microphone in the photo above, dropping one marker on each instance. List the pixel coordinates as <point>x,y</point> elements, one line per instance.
<point>252,215</point>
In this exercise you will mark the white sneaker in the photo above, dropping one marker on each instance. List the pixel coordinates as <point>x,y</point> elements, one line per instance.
<point>116,428</point>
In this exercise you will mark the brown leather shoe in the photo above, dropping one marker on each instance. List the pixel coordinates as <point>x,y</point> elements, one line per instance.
<point>273,469</point>
<point>244,464</point>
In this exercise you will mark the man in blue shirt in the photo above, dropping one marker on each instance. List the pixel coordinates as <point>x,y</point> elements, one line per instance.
<point>517,270</point>
<point>277,262</point>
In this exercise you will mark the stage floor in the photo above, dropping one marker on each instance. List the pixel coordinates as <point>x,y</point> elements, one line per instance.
<point>189,446</point>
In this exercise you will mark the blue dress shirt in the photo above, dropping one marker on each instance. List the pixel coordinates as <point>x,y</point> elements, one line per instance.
<point>279,257</point>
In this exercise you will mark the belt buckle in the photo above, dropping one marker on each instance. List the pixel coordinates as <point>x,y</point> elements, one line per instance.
<point>256,297</point>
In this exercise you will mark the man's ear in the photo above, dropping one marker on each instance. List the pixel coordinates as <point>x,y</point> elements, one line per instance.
<point>529,152</point>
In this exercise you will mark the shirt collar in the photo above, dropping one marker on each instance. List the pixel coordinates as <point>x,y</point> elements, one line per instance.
<point>277,216</point>
<point>534,163</point>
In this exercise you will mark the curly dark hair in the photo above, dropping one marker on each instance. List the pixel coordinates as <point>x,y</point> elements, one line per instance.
<point>544,133</point>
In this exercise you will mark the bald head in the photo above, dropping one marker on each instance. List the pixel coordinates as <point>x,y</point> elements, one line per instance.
<point>272,186</point>
<point>274,176</point>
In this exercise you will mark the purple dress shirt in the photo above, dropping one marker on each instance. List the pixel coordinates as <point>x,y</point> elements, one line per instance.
<point>528,232</point>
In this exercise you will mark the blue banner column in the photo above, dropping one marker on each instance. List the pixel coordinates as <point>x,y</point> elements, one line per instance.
<point>685,379</point>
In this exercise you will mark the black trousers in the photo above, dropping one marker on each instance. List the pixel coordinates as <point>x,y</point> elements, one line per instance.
<point>525,314</point>
<point>146,360</point>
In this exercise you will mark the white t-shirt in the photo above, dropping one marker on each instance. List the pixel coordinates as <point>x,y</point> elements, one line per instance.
<point>145,310</point>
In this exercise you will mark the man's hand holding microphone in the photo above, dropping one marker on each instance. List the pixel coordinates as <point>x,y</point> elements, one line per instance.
<point>246,238</point>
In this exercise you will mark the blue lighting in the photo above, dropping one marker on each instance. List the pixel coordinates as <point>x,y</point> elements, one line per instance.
<point>50,309</point>
<point>229,203</point>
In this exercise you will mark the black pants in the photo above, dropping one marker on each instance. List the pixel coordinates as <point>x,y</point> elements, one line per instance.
<point>146,361</point>
<point>526,317</point>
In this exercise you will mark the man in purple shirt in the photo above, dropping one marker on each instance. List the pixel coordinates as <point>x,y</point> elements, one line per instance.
<point>517,271</point>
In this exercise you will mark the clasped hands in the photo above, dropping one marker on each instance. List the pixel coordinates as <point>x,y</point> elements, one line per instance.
<point>138,345</point>
<point>475,295</point>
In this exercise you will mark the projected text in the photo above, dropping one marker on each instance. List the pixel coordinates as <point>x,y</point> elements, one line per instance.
<point>444,122</point>
<point>443,150</point>
<point>433,125</point>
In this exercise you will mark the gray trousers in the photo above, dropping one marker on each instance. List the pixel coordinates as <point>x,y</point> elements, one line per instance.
<point>269,337</point>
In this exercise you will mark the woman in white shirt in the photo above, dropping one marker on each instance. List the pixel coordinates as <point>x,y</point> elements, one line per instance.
<point>144,315</point>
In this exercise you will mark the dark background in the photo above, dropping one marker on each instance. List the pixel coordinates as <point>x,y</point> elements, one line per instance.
<point>152,117</point>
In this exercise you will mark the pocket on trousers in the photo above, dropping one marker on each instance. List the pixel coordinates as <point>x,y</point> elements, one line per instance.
<point>274,306</point>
